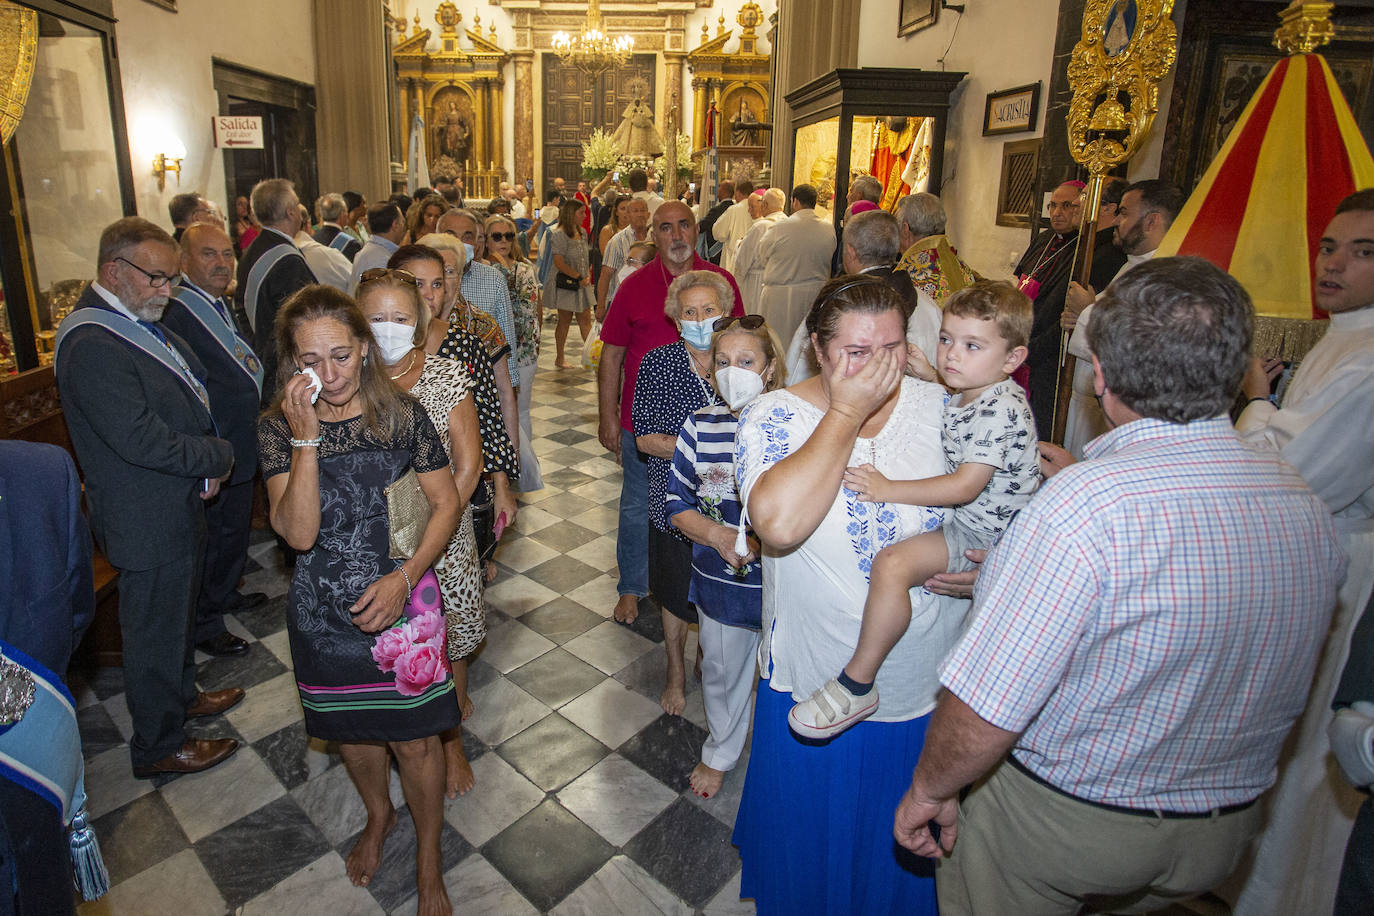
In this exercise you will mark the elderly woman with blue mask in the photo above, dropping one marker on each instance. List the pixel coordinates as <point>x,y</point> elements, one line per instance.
<point>674,381</point>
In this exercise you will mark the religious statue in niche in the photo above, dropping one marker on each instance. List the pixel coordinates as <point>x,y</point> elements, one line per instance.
<point>637,137</point>
<point>450,134</point>
<point>744,129</point>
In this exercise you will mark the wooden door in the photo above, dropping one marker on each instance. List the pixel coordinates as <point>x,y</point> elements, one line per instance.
<point>575,104</point>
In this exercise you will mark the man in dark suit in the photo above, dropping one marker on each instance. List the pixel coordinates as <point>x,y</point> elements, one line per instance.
<point>45,563</point>
<point>271,270</point>
<point>140,421</point>
<point>199,313</point>
<point>329,210</point>
<point>725,198</point>
<point>185,209</point>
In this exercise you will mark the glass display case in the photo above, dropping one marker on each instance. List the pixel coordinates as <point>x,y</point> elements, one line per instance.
<point>885,122</point>
<point>63,175</point>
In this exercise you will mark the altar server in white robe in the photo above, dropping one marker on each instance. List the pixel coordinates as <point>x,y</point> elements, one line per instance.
<point>734,224</point>
<point>748,264</point>
<point>1325,428</point>
<point>1147,210</point>
<point>796,255</point>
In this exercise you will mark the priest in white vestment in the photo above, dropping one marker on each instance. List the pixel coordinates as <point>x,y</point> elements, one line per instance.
<point>796,255</point>
<point>1146,211</point>
<point>748,265</point>
<point>1325,428</point>
<point>733,225</point>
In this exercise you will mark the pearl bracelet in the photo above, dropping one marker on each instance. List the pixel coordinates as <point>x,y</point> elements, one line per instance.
<point>306,443</point>
<point>409,588</point>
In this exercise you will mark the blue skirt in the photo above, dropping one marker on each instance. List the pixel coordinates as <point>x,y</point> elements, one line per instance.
<point>814,828</point>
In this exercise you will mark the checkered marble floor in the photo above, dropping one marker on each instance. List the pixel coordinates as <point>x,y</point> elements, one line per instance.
<point>581,804</point>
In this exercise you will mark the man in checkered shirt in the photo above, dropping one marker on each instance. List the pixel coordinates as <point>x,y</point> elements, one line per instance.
<point>1143,636</point>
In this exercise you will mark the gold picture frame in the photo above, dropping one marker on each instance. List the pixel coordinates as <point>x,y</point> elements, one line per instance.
<point>915,15</point>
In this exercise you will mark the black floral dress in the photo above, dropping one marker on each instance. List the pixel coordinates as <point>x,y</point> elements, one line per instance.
<point>346,694</point>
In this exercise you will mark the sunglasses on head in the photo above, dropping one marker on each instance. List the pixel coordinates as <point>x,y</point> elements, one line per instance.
<point>381,273</point>
<point>748,322</point>
<point>501,236</point>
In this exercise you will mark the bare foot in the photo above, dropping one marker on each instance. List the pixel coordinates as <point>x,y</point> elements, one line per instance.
<point>458,779</point>
<point>366,854</point>
<point>705,781</point>
<point>561,363</point>
<point>627,609</point>
<point>465,707</point>
<point>491,572</point>
<point>433,895</point>
<point>674,700</point>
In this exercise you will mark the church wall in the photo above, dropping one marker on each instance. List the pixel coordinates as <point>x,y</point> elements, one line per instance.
<point>165,67</point>
<point>1000,45</point>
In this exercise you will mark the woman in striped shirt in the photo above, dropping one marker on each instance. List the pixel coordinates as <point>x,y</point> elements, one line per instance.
<point>703,503</point>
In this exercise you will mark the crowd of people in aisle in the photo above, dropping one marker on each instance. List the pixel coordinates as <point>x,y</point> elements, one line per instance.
<point>987,673</point>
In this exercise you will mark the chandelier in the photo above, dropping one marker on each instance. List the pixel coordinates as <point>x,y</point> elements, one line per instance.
<point>593,51</point>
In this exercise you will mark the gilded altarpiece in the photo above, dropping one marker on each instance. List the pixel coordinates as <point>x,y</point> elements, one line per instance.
<point>458,91</point>
<point>731,93</point>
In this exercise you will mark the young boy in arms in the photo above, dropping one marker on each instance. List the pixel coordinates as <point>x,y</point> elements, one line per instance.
<point>994,467</point>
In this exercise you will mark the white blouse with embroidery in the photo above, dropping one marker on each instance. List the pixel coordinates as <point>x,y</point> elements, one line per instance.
<point>813,595</point>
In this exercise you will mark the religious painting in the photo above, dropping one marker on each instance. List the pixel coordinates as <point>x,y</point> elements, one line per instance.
<point>1119,28</point>
<point>814,159</point>
<point>449,127</point>
<point>1012,111</point>
<point>915,15</point>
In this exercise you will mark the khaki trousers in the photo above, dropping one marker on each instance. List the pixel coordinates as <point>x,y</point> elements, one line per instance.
<point>1025,849</point>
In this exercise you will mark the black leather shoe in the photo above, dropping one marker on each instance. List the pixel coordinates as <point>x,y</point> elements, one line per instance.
<point>246,602</point>
<point>195,755</point>
<point>225,643</point>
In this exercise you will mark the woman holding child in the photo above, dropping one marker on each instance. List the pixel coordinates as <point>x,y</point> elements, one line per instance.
<point>815,822</point>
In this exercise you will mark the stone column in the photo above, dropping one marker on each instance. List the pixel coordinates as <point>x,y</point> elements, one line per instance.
<point>498,137</point>
<point>478,146</point>
<point>524,118</point>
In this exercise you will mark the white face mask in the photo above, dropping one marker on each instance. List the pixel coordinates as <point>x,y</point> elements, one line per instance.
<point>738,386</point>
<point>394,340</point>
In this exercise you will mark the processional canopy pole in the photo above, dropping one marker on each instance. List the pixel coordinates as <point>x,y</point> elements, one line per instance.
<point>1127,48</point>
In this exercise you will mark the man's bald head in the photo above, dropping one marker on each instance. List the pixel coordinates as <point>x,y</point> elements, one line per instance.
<point>207,258</point>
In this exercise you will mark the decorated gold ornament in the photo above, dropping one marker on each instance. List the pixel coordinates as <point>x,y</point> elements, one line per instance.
<point>1306,27</point>
<point>18,52</point>
<point>1126,48</point>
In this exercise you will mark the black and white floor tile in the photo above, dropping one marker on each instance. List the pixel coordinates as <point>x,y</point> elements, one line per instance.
<point>581,804</point>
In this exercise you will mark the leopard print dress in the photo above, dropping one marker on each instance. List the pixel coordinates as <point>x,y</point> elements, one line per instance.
<point>443,384</point>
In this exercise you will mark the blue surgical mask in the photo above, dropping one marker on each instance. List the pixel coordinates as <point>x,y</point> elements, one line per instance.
<point>470,250</point>
<point>698,333</point>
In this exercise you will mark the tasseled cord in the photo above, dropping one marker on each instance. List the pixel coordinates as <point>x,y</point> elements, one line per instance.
<point>88,868</point>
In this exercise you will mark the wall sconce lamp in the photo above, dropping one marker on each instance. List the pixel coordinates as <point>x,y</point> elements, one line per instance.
<point>164,163</point>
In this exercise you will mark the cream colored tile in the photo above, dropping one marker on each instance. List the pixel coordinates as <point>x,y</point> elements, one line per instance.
<point>176,886</point>
<point>205,802</point>
<point>320,887</point>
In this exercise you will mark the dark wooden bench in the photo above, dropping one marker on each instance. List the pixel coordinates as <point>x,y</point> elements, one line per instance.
<point>30,409</point>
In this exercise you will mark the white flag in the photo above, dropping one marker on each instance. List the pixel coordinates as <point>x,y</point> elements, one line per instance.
<point>917,172</point>
<point>418,171</point>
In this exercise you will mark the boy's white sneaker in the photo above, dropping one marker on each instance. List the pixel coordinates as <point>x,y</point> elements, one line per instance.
<point>830,710</point>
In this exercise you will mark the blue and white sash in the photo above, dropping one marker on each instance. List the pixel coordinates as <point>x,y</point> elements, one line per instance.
<point>258,275</point>
<point>340,242</point>
<point>40,750</point>
<point>136,335</point>
<point>204,310</point>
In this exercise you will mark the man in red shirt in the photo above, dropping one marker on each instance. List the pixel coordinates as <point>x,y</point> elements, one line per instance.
<point>635,325</point>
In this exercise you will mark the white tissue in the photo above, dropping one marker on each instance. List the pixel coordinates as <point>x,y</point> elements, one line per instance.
<point>316,386</point>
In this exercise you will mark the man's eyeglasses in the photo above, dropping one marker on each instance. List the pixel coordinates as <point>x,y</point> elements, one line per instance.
<point>748,322</point>
<point>501,236</point>
<point>156,281</point>
<point>381,273</point>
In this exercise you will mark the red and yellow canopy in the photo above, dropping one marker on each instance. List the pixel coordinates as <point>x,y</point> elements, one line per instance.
<point>1260,210</point>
